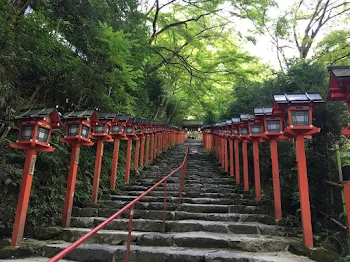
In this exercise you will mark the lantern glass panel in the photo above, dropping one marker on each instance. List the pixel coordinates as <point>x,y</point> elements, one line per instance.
<point>42,135</point>
<point>273,125</point>
<point>99,129</point>
<point>129,130</point>
<point>235,132</point>
<point>27,132</point>
<point>73,130</point>
<point>115,129</point>
<point>244,131</point>
<point>255,129</point>
<point>300,117</point>
<point>85,131</point>
<point>123,129</point>
<point>108,129</point>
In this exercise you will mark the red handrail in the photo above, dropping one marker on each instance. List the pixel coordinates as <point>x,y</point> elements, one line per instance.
<point>182,168</point>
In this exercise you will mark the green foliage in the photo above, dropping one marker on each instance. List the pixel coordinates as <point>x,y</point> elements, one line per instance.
<point>331,117</point>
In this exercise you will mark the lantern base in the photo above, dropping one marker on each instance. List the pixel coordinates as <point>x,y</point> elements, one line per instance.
<point>74,140</point>
<point>303,131</point>
<point>37,146</point>
<point>103,137</point>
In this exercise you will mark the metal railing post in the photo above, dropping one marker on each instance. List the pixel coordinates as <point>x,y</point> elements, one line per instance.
<point>131,215</point>
<point>130,206</point>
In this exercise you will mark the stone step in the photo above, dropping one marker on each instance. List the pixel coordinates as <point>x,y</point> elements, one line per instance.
<point>250,243</point>
<point>187,187</point>
<point>177,215</point>
<point>32,259</point>
<point>206,208</point>
<point>146,225</point>
<point>154,206</point>
<point>187,194</point>
<point>194,239</point>
<point>103,253</point>
<point>200,200</point>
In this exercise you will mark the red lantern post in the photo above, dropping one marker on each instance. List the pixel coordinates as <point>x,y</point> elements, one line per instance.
<point>142,140</point>
<point>100,133</point>
<point>78,128</point>
<point>273,131</point>
<point>130,133</point>
<point>117,133</point>
<point>298,111</point>
<point>339,90</point>
<point>235,132</point>
<point>34,135</point>
<point>137,122</point>
<point>255,134</point>
<point>243,131</point>
<point>230,140</point>
<point>148,140</point>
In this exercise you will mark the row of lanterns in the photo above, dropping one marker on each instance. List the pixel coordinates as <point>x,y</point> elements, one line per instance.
<point>289,117</point>
<point>35,128</point>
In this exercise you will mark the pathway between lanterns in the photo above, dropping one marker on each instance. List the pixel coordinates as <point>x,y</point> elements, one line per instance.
<point>217,220</point>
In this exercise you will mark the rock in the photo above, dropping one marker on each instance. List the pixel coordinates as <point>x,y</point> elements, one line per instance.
<point>317,254</point>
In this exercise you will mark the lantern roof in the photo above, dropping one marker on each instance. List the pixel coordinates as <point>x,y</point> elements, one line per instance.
<point>340,72</point>
<point>246,117</point>
<point>107,116</point>
<point>136,120</point>
<point>52,113</point>
<point>80,114</point>
<point>263,111</point>
<point>236,120</point>
<point>297,98</point>
<point>123,117</point>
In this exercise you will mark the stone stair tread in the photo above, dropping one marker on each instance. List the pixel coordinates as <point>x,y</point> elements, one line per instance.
<point>153,225</point>
<point>32,259</point>
<point>172,254</point>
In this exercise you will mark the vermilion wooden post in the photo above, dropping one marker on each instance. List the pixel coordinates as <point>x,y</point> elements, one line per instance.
<point>72,177</point>
<point>156,135</point>
<point>114,164</point>
<point>142,151</point>
<point>304,192</point>
<point>215,147</point>
<point>128,162</point>
<point>231,158</point>
<point>97,172</point>
<point>148,138</point>
<point>245,165</point>
<point>137,153</point>
<point>222,155</point>
<point>23,199</point>
<point>152,148</point>
<point>276,179</point>
<point>238,175</point>
<point>347,201</point>
<point>256,170</point>
<point>226,155</point>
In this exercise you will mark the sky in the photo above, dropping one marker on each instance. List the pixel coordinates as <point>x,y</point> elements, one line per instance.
<point>263,48</point>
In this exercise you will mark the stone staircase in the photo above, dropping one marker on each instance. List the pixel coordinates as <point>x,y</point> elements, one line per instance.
<point>216,221</point>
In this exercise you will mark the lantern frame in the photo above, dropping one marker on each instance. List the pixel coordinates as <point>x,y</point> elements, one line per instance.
<point>81,118</point>
<point>286,104</point>
<point>244,125</point>
<point>339,88</point>
<point>105,121</point>
<point>119,122</point>
<point>37,118</point>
